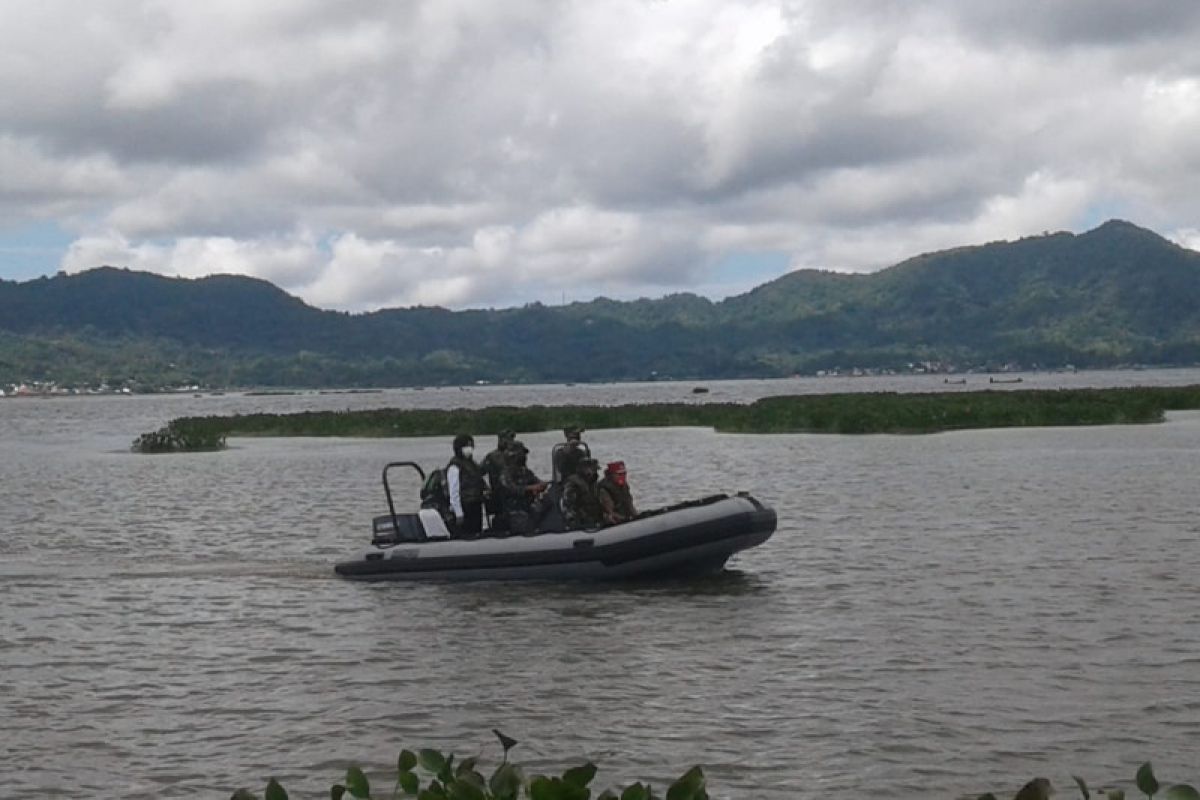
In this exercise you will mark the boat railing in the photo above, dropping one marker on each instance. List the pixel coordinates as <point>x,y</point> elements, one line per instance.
<point>387,489</point>
<point>707,500</point>
<point>555,461</point>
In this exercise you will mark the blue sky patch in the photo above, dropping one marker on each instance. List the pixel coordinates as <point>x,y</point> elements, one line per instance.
<point>32,251</point>
<point>750,267</point>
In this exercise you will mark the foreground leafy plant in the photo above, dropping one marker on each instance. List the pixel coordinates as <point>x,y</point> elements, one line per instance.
<point>431,775</point>
<point>1145,780</point>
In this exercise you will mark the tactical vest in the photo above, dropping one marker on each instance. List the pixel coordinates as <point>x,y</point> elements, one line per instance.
<point>470,480</point>
<point>493,465</point>
<point>620,496</point>
<point>581,503</point>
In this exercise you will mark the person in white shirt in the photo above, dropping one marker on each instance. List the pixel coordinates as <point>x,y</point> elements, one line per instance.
<point>464,479</point>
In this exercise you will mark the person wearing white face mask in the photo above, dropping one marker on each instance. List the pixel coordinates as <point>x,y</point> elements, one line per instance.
<point>464,479</point>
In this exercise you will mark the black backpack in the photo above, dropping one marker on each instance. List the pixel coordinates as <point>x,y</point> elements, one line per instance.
<point>436,493</point>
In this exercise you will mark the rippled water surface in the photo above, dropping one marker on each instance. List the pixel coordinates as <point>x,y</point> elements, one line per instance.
<point>961,611</point>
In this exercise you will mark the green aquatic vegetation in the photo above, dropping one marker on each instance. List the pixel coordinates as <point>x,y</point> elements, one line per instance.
<point>431,775</point>
<point>1146,782</point>
<point>876,412</point>
<point>180,438</point>
<point>927,413</point>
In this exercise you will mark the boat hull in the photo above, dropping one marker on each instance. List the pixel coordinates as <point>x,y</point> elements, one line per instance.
<point>690,540</point>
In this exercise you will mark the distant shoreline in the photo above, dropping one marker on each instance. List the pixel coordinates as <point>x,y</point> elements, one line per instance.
<point>843,413</point>
<point>694,385</point>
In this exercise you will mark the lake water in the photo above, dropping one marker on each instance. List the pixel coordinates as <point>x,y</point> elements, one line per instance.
<point>936,616</point>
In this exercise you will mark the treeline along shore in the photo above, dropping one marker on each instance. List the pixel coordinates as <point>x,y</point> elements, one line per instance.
<point>879,412</point>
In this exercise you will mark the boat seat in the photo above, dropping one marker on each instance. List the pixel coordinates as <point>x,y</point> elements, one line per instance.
<point>432,524</point>
<point>410,529</point>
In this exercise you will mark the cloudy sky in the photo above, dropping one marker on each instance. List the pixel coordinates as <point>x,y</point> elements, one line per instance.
<point>470,153</point>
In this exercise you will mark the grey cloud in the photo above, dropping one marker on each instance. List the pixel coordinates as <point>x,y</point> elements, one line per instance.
<point>627,152</point>
<point>1027,23</point>
<point>220,121</point>
<point>1063,22</point>
<point>845,139</point>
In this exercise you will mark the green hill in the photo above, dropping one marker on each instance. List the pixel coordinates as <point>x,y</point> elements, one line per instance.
<point>1116,294</point>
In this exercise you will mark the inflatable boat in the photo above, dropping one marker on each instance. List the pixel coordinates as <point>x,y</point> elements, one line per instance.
<point>683,540</point>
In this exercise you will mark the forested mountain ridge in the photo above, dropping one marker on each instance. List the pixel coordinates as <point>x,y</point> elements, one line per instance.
<point>1116,294</point>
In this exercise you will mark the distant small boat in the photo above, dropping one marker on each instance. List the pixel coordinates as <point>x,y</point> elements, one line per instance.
<point>1004,380</point>
<point>958,382</point>
<point>700,390</point>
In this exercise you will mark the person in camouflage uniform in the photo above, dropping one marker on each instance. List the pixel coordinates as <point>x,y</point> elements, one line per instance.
<point>568,455</point>
<point>492,466</point>
<point>520,490</point>
<point>580,501</point>
<point>615,497</point>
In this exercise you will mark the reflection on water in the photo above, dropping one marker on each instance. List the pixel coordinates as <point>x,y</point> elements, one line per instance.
<point>962,610</point>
